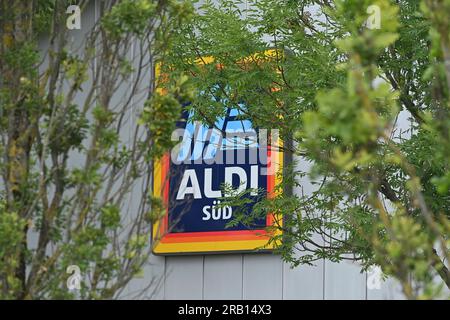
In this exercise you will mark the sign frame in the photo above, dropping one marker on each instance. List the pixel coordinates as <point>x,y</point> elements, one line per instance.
<point>216,242</point>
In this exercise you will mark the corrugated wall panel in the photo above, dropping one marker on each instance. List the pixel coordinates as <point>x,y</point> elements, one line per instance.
<point>222,277</point>
<point>344,280</point>
<point>262,277</point>
<point>184,277</point>
<point>389,289</point>
<point>303,282</point>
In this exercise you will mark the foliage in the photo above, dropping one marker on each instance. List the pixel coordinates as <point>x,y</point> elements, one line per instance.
<point>337,88</point>
<point>71,151</point>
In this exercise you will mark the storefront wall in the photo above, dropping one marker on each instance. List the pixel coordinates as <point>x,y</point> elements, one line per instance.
<point>238,276</point>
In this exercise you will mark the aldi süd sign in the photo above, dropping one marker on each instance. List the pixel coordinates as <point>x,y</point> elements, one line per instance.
<point>191,180</point>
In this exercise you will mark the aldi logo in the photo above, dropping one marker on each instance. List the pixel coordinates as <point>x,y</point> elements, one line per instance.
<point>209,165</point>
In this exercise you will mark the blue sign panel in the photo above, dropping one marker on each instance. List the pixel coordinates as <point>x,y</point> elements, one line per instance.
<point>211,164</point>
<point>212,159</point>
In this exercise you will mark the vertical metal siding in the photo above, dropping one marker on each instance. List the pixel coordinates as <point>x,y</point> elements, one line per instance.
<point>249,276</point>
